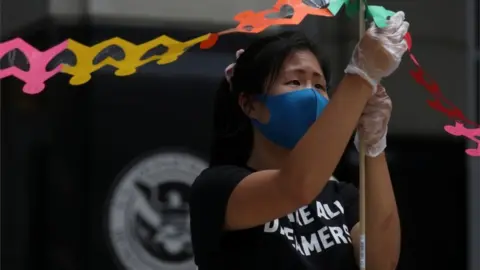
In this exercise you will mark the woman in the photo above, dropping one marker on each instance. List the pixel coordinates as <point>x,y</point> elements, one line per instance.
<point>268,200</point>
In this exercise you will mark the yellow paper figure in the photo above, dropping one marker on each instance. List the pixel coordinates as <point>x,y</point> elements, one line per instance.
<point>84,67</point>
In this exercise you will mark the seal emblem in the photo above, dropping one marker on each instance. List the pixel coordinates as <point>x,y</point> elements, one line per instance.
<point>148,223</point>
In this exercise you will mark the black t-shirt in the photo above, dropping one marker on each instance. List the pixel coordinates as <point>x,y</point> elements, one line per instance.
<point>315,237</point>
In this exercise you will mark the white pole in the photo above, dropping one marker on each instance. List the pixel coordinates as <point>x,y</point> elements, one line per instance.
<point>363,261</point>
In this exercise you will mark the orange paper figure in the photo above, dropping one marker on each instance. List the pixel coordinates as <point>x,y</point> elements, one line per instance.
<point>256,22</point>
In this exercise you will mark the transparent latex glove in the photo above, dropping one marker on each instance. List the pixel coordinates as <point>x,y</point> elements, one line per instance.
<point>373,124</point>
<point>379,53</point>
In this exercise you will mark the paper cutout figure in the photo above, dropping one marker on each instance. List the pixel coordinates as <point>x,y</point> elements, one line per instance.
<point>473,134</point>
<point>379,15</point>
<point>335,6</point>
<point>284,12</point>
<point>287,12</point>
<point>317,3</point>
<point>450,110</point>
<point>37,74</point>
<point>408,39</point>
<point>210,42</point>
<point>256,22</point>
<point>433,88</point>
<point>84,67</point>
<point>352,8</point>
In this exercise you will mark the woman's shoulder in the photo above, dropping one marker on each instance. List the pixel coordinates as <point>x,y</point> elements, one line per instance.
<point>222,173</point>
<point>218,178</point>
<point>222,170</point>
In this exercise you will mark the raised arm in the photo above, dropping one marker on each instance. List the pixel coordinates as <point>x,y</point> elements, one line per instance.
<point>265,195</point>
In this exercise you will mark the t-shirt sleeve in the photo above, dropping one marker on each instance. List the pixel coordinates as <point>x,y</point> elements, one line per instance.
<point>350,196</point>
<point>209,196</point>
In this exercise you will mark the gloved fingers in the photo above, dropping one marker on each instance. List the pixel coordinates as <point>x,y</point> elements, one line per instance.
<point>397,18</point>
<point>393,24</point>
<point>375,149</point>
<point>373,132</point>
<point>372,30</point>
<point>379,52</point>
<point>381,90</point>
<point>380,102</point>
<point>399,35</point>
<point>373,115</point>
<point>397,49</point>
<point>373,124</point>
<point>370,137</point>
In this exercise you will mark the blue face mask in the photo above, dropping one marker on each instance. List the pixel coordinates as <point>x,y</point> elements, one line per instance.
<point>291,115</point>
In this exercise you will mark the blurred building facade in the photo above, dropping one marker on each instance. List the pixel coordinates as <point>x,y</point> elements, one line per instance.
<point>68,153</point>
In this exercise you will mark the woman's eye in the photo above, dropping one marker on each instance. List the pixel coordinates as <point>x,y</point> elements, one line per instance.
<point>294,82</point>
<point>319,86</point>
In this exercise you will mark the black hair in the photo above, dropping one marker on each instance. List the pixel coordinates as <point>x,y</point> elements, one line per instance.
<point>255,70</point>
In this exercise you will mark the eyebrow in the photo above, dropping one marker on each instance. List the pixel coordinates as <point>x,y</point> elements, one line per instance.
<point>303,71</point>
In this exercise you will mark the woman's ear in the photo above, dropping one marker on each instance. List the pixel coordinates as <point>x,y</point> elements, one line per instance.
<point>253,108</point>
<point>245,103</point>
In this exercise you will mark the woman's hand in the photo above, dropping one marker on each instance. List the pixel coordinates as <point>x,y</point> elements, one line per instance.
<point>373,124</point>
<point>379,53</point>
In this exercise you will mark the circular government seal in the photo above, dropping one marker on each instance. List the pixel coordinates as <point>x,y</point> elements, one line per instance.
<point>148,224</point>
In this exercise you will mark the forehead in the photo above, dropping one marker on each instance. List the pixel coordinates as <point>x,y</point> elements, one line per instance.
<point>302,61</point>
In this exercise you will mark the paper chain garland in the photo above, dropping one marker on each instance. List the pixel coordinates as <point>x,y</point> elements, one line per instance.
<point>248,22</point>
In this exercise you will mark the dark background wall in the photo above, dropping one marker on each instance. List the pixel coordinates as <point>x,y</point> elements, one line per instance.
<point>63,149</point>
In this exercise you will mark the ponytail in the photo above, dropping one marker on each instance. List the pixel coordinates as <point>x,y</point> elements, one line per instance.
<point>232,131</point>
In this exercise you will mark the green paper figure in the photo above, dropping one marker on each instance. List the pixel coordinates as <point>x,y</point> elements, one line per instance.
<point>335,6</point>
<point>352,8</point>
<point>378,14</point>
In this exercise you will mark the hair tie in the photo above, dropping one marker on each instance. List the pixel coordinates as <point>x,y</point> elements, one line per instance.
<point>230,68</point>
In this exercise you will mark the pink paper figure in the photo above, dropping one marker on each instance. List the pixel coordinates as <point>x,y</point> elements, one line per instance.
<point>37,74</point>
<point>472,134</point>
